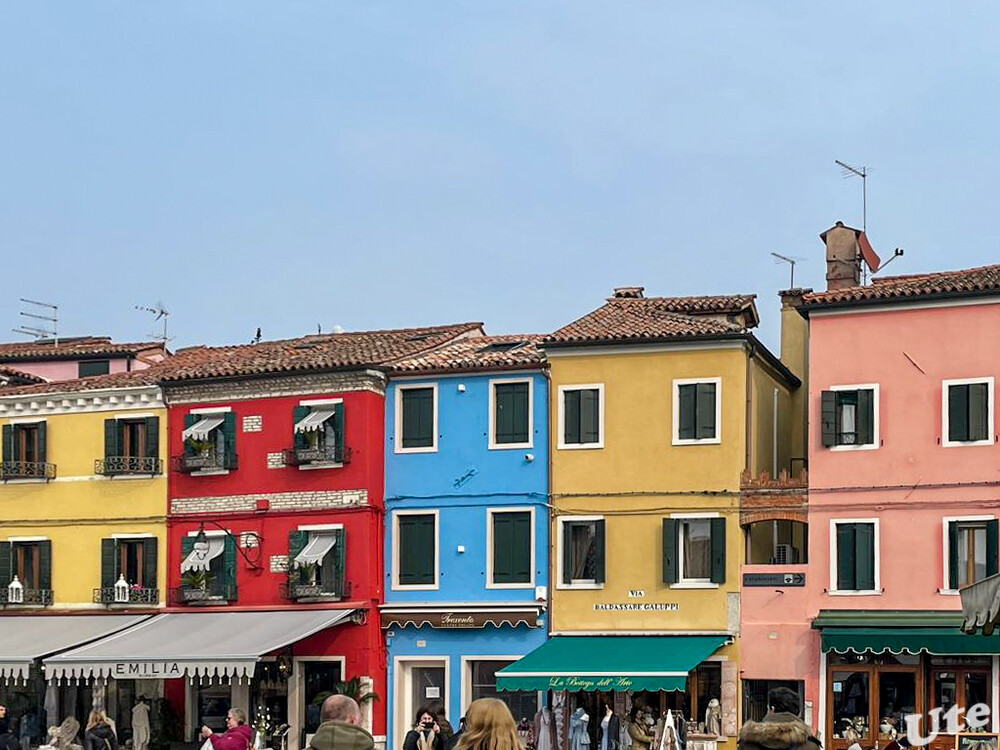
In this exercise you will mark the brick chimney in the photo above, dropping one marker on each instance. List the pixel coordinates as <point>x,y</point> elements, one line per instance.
<point>629,292</point>
<point>843,256</point>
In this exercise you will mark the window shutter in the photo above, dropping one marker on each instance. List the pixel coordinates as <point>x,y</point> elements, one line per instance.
<point>189,420</point>
<point>705,411</point>
<point>503,548</point>
<point>45,563</point>
<point>42,445</point>
<point>416,549</point>
<point>152,438</point>
<point>718,534</point>
<point>991,547</point>
<point>828,418</point>
<point>958,413</point>
<point>571,417</point>
<point>301,440</point>
<point>599,551</point>
<point>669,551</point>
<point>111,438</point>
<point>339,435</point>
<point>8,443</point>
<point>590,416</point>
<point>6,568</point>
<point>150,553</point>
<point>567,552</point>
<point>865,556</point>
<point>229,559</point>
<point>503,408</point>
<point>340,561</point>
<point>418,417</point>
<point>953,561</point>
<point>846,572</point>
<point>866,416</point>
<point>979,412</point>
<point>229,436</point>
<point>405,553</point>
<point>687,402</point>
<point>297,541</point>
<point>109,558</point>
<point>522,547</point>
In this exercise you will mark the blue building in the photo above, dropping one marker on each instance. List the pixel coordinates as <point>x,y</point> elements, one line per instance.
<point>467,524</point>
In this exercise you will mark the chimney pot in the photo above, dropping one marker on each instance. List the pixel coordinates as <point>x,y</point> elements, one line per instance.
<point>629,292</point>
<point>843,257</point>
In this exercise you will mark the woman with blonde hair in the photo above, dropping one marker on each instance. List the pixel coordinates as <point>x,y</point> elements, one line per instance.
<point>489,726</point>
<point>99,734</point>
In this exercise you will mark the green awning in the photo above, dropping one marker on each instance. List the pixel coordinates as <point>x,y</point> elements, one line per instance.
<point>939,640</point>
<point>577,662</point>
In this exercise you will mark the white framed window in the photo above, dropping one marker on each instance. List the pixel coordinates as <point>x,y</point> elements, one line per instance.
<point>849,415</point>
<point>967,412</point>
<point>416,418</point>
<point>694,550</point>
<point>969,550</point>
<point>697,411</point>
<point>581,416</point>
<point>511,417</point>
<point>510,548</point>
<point>855,557</point>
<point>416,545</point>
<point>581,547</point>
<point>694,563</point>
<point>479,681</point>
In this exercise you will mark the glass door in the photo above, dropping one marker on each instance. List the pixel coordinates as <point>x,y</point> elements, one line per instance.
<point>426,685</point>
<point>851,706</point>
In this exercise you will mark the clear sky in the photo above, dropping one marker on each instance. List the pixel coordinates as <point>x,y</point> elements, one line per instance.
<point>381,164</point>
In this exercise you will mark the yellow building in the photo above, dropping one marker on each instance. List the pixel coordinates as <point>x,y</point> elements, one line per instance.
<point>659,406</point>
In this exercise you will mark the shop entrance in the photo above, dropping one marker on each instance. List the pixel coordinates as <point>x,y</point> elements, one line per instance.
<point>418,681</point>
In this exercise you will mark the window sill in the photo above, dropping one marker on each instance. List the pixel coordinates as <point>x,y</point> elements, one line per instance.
<point>512,586</point>
<point>580,446</point>
<point>418,587</point>
<point>321,465</point>
<point>580,586</point>
<point>27,480</point>
<point>965,444</point>
<point>510,446</point>
<point>694,585</point>
<point>209,473</point>
<point>877,592</point>
<point>430,449</point>
<point>703,441</point>
<point>843,448</point>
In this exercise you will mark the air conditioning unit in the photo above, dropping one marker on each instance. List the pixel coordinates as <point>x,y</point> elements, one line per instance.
<point>786,554</point>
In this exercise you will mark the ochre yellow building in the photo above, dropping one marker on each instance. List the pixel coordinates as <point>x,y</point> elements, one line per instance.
<point>84,495</point>
<point>659,406</point>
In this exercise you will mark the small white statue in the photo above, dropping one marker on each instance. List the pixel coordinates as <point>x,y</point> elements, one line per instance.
<point>713,718</point>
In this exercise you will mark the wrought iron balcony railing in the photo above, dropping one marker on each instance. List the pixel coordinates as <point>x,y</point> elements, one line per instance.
<point>212,594</point>
<point>296,591</point>
<point>306,456</point>
<point>132,595</point>
<point>26,597</point>
<point>27,470</point>
<point>205,462</point>
<point>113,466</point>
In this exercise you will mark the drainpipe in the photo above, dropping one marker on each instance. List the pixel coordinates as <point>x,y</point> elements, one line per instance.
<point>749,406</point>
<point>548,501</point>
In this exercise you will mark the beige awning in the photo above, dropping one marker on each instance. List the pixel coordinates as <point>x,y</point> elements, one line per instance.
<point>981,605</point>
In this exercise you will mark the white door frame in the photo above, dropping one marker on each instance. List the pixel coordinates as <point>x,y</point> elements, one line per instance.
<point>402,711</point>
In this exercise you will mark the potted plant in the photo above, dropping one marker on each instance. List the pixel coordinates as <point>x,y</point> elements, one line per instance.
<point>352,689</point>
<point>194,585</point>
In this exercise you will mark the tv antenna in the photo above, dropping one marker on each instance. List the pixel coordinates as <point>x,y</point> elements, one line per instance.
<point>52,318</point>
<point>791,261</point>
<point>848,171</point>
<point>159,312</point>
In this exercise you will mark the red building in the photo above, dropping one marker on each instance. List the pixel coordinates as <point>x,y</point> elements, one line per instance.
<point>276,508</point>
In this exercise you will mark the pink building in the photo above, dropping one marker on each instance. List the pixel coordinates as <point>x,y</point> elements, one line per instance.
<point>76,357</point>
<point>904,471</point>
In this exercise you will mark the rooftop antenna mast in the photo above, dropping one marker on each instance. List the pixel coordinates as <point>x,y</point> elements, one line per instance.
<point>52,317</point>
<point>862,172</point>
<point>791,261</point>
<point>160,313</point>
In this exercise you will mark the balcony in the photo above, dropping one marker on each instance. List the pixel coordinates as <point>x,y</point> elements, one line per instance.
<point>188,462</point>
<point>27,598</point>
<point>313,456</point>
<point>132,595</point>
<point>27,470</point>
<point>116,466</point>
<point>211,595</point>
<point>298,592</point>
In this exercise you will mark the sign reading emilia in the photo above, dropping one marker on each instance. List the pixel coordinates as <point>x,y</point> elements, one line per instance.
<point>131,670</point>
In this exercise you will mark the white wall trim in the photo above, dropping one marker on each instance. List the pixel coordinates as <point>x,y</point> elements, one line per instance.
<point>675,433</point>
<point>99,400</point>
<point>561,522</point>
<point>26,420</point>
<point>834,523</point>
<point>990,421</point>
<point>490,513</point>
<point>491,419</point>
<point>26,539</point>
<point>137,415</point>
<point>134,535</point>
<point>396,585</point>
<point>321,401</point>
<point>321,527</point>
<point>876,429</point>
<point>398,441</point>
<point>211,410</point>
<point>402,710</point>
<point>561,408</point>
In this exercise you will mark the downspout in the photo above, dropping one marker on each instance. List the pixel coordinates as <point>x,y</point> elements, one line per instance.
<point>749,406</point>
<point>550,507</point>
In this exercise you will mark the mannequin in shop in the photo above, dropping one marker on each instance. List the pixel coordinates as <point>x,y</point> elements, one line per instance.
<point>579,739</point>
<point>526,733</point>
<point>637,730</point>
<point>609,728</point>
<point>713,718</point>
<point>140,724</point>
<point>545,729</point>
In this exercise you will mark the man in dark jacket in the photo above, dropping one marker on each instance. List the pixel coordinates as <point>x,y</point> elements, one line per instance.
<point>341,728</point>
<point>781,729</point>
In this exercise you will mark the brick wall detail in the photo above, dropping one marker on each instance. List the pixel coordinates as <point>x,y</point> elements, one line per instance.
<point>276,501</point>
<point>276,460</point>
<point>253,423</point>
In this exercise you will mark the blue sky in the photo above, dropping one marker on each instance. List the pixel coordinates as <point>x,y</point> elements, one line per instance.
<point>381,164</point>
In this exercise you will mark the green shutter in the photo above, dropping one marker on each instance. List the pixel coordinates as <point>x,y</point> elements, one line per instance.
<point>567,552</point>
<point>339,436</point>
<point>600,545</point>
<point>510,419</point>
<point>229,435</point>
<point>718,536</point>
<point>43,446</point>
<point>229,562</point>
<point>150,553</point>
<point>958,413</point>
<point>991,546</point>
<point>979,404</point>
<point>340,561</point>
<point>8,443</point>
<point>590,415</point>
<point>669,551</point>
<point>297,541</point>
<point>865,556</point>
<point>6,563</point>
<point>953,561</point>
<point>44,564</point>
<point>189,421</point>
<point>301,439</point>
<point>846,553</point>
<point>418,417</point>
<point>152,438</point>
<point>705,396</point>
<point>109,561</point>
<point>571,417</point>
<point>866,417</point>
<point>416,549</point>
<point>828,417</point>
<point>522,546</point>
<point>512,547</point>
<point>687,403</point>
<point>111,441</point>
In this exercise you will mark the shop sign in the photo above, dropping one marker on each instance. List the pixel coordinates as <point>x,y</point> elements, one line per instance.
<point>590,683</point>
<point>146,670</point>
<point>458,619</point>
<point>636,607</point>
<point>774,579</point>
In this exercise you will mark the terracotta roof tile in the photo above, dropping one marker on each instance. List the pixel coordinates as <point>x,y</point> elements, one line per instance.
<point>508,352</point>
<point>134,379</point>
<point>9,373</point>
<point>656,318</point>
<point>925,285</point>
<point>320,352</point>
<point>73,347</point>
